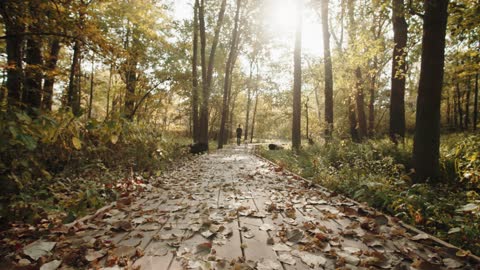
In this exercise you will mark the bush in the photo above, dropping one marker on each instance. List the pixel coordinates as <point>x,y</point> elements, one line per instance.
<point>56,162</point>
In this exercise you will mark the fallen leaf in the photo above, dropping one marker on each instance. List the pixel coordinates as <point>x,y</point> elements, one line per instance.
<point>53,265</point>
<point>124,251</point>
<point>295,235</point>
<point>203,248</point>
<point>310,259</point>
<point>452,264</point>
<point>267,227</point>
<point>287,258</point>
<point>93,255</point>
<point>281,247</point>
<point>420,236</point>
<point>266,264</point>
<point>38,249</point>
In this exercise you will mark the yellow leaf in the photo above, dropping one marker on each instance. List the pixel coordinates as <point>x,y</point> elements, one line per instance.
<point>77,143</point>
<point>114,139</point>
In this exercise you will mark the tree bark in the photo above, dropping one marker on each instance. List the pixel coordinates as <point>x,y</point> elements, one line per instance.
<point>328,71</point>
<point>249,99</point>
<point>33,74</point>
<point>196,131</point>
<point>297,81</point>
<point>397,95</point>
<point>49,80</point>
<point>14,45</point>
<point>427,131</point>
<point>459,105</point>
<point>360,105</point>
<point>109,87</point>
<point>73,95</point>
<point>203,138</point>
<point>92,78</point>
<point>475,104</point>
<point>254,116</point>
<point>352,119</point>
<point>226,82</point>
<point>467,104</point>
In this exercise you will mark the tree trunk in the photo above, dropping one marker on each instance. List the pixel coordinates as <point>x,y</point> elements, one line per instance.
<point>196,130</point>
<point>228,73</point>
<point>249,99</point>
<point>49,81</point>
<point>459,105</point>
<point>109,87</point>
<point>352,119</point>
<point>209,72</point>
<point>371,108</point>
<point>73,95</point>
<point>297,81</point>
<point>455,111</point>
<point>33,73</point>
<point>14,44</point>
<point>397,95</point>
<point>467,104</point>
<point>254,116</point>
<point>427,131</point>
<point>448,110</point>
<point>475,104</point>
<point>360,102</point>
<point>328,71</point>
<point>306,119</point>
<point>92,78</point>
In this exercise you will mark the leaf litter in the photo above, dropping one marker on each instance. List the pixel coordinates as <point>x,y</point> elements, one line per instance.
<point>311,225</point>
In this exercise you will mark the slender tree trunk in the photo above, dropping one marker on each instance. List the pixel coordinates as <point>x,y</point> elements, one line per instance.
<point>92,78</point>
<point>306,119</point>
<point>297,81</point>
<point>475,104</point>
<point>33,73</point>
<point>196,130</point>
<point>209,72</point>
<point>360,102</point>
<point>228,73</point>
<point>371,109</point>
<point>49,81</point>
<point>467,104</point>
<point>109,88</point>
<point>448,110</point>
<point>459,105</point>
<point>249,99</point>
<point>427,131</point>
<point>73,87</point>
<point>397,95</point>
<point>254,116</point>
<point>328,71</point>
<point>455,111</point>
<point>352,119</point>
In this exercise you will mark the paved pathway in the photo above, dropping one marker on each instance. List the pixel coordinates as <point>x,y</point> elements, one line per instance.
<point>232,210</point>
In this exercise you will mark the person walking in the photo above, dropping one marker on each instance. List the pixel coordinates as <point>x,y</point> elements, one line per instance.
<point>239,134</point>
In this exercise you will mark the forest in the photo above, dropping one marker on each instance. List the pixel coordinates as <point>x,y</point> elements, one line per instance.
<point>375,100</point>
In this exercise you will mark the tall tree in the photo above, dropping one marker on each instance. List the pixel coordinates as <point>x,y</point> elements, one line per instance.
<point>50,72</point>
<point>194,74</point>
<point>397,95</point>
<point>208,73</point>
<point>475,104</point>
<point>328,70</point>
<point>358,90</point>
<point>228,72</point>
<point>12,13</point>
<point>297,80</point>
<point>427,131</point>
<point>73,91</point>
<point>249,98</point>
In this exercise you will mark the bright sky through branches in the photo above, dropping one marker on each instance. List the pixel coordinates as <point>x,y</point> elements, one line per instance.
<point>279,19</point>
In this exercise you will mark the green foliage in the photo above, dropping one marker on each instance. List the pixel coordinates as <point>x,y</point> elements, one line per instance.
<point>40,157</point>
<point>378,172</point>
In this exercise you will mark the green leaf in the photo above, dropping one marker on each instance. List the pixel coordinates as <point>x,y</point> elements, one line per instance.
<point>76,143</point>
<point>27,140</point>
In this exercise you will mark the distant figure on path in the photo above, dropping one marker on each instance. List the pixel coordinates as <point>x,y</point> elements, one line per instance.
<point>239,134</point>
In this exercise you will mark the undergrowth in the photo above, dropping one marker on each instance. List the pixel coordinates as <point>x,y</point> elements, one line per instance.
<point>56,164</point>
<point>378,172</point>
